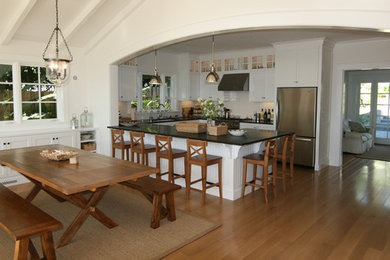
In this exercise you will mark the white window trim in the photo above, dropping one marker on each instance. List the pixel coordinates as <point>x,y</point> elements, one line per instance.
<point>18,121</point>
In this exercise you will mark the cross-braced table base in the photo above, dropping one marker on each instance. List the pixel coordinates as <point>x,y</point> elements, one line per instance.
<point>88,207</point>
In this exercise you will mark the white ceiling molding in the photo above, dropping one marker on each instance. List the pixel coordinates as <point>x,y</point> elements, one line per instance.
<point>16,20</point>
<point>132,6</point>
<point>85,14</point>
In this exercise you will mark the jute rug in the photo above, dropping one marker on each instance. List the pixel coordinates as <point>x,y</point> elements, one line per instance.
<point>377,152</point>
<point>132,239</point>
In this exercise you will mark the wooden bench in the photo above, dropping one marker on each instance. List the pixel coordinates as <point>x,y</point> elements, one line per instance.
<point>153,190</point>
<point>22,220</point>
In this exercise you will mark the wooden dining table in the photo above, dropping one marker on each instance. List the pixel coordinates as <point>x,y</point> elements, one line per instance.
<point>63,181</point>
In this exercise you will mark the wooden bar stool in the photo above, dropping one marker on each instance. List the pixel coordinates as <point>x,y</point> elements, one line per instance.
<point>196,154</point>
<point>117,142</point>
<point>164,150</point>
<point>137,146</point>
<point>263,160</point>
<point>287,153</point>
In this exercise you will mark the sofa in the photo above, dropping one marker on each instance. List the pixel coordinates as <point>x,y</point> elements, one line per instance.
<point>356,138</point>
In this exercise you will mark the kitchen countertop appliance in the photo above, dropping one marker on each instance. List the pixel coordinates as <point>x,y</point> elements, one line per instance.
<point>296,111</point>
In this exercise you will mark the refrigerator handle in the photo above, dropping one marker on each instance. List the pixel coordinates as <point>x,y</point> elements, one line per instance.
<point>277,115</point>
<point>303,139</point>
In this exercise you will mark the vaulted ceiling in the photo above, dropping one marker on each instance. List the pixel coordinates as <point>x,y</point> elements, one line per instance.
<point>85,22</point>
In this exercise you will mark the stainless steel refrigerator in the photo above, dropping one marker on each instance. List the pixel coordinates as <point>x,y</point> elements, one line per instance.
<point>296,111</point>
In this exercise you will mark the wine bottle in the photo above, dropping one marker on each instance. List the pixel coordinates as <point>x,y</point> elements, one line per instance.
<point>272,115</point>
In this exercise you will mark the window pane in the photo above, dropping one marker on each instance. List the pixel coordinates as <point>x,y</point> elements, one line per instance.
<point>383,87</point>
<point>43,76</point>
<point>150,94</point>
<point>365,88</point>
<point>49,110</point>
<point>29,74</point>
<point>30,111</point>
<point>48,93</point>
<point>383,99</point>
<point>30,93</point>
<point>6,111</point>
<point>6,94</point>
<point>365,104</point>
<point>5,73</point>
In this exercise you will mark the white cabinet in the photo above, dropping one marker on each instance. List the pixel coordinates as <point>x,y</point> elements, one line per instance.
<point>66,138</point>
<point>7,175</point>
<point>88,140</point>
<point>127,80</point>
<point>262,86</point>
<point>297,66</point>
<point>193,92</point>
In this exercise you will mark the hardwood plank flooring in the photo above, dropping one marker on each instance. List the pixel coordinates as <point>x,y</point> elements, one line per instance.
<point>336,213</point>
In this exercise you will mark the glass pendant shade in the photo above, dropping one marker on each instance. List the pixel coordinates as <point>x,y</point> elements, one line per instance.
<point>57,64</point>
<point>57,71</point>
<point>156,80</point>
<point>212,77</point>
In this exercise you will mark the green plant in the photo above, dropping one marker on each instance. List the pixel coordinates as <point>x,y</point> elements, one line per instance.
<point>211,109</point>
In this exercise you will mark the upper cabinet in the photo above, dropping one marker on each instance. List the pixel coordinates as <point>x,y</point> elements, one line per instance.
<point>262,86</point>
<point>194,86</point>
<point>298,65</point>
<point>127,82</point>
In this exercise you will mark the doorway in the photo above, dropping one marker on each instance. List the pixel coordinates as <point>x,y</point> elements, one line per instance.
<point>368,100</point>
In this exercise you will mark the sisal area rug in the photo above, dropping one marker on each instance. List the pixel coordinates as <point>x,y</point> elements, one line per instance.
<point>132,239</point>
<point>377,152</point>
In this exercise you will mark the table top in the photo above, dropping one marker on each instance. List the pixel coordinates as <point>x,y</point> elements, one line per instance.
<point>251,136</point>
<point>93,170</point>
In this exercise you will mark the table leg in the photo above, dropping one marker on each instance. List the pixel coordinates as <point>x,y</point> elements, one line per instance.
<point>87,209</point>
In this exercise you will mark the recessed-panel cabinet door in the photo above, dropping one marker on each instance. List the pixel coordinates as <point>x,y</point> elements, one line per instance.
<point>127,81</point>
<point>307,66</point>
<point>286,67</point>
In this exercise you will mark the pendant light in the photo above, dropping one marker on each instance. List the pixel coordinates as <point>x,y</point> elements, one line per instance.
<point>156,80</point>
<point>57,66</point>
<point>212,77</point>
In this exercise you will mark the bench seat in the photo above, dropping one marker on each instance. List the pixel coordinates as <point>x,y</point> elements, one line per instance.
<point>22,220</point>
<point>154,189</point>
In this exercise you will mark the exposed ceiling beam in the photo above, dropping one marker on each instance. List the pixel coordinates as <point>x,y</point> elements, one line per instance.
<point>131,7</point>
<point>86,13</point>
<point>16,20</point>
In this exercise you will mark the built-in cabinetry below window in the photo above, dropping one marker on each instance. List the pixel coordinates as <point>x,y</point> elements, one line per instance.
<point>88,140</point>
<point>66,137</point>
<point>127,80</point>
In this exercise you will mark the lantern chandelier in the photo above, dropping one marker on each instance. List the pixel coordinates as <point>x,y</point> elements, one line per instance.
<point>57,66</point>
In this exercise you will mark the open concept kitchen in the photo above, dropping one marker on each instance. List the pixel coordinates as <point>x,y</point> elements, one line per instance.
<point>149,129</point>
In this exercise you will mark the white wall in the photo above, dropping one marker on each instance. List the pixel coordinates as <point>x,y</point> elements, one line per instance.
<point>351,56</point>
<point>181,19</point>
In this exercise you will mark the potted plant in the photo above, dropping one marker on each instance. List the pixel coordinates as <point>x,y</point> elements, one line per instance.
<point>211,109</point>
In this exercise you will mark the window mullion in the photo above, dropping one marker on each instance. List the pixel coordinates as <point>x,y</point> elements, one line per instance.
<point>17,92</point>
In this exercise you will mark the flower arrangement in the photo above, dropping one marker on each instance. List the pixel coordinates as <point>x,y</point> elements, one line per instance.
<point>211,109</point>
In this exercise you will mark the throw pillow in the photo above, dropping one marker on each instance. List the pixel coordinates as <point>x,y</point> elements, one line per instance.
<point>357,127</point>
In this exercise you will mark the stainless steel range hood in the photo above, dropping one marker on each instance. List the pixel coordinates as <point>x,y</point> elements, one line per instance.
<point>234,82</point>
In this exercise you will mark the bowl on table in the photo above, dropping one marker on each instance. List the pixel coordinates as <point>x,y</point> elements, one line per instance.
<point>237,132</point>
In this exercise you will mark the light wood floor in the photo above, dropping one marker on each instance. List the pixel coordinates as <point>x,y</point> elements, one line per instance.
<point>335,213</point>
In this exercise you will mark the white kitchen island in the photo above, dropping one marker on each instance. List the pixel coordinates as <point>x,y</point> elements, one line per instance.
<point>230,148</point>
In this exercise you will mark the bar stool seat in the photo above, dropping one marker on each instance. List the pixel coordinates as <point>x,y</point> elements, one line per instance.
<point>176,152</point>
<point>263,160</point>
<point>164,151</point>
<point>211,159</point>
<point>118,142</point>
<point>137,146</point>
<point>196,154</point>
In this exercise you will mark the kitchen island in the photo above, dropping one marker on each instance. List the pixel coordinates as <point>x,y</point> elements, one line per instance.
<point>231,148</point>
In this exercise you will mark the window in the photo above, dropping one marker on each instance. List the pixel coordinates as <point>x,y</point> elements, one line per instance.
<point>218,65</point>
<point>150,94</point>
<point>270,61</point>
<point>38,94</point>
<point>365,103</point>
<point>6,93</point>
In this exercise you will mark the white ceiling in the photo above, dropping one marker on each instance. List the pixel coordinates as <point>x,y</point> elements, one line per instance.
<point>82,20</point>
